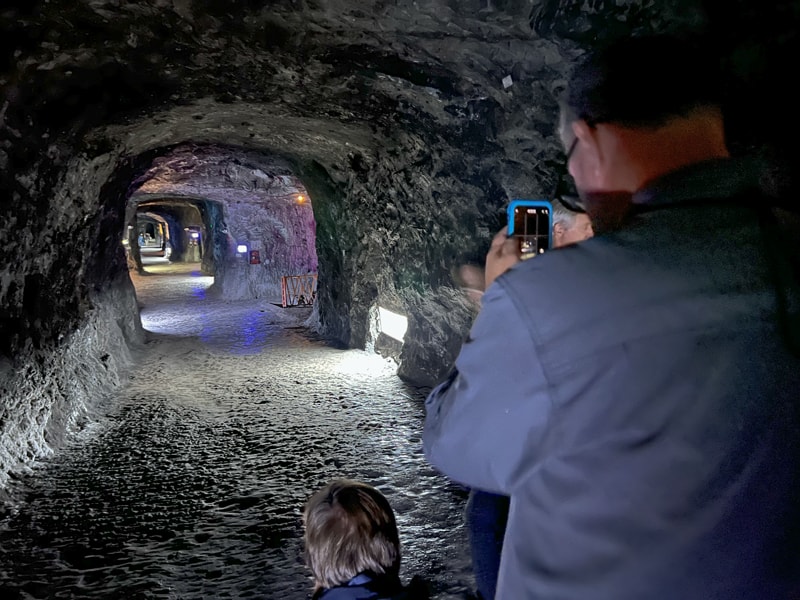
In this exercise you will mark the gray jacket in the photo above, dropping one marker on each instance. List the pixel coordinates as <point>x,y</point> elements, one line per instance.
<point>634,396</point>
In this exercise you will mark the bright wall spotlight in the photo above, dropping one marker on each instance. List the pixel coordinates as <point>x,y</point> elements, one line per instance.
<point>241,249</point>
<point>195,235</point>
<point>392,324</point>
<point>300,198</point>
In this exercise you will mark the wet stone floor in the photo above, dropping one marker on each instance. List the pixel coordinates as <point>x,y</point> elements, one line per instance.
<point>191,482</point>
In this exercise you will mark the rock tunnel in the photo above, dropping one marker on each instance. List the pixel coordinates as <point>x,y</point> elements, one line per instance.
<point>374,144</point>
<point>219,206</point>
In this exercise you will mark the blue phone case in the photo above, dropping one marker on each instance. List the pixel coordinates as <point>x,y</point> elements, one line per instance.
<point>520,203</point>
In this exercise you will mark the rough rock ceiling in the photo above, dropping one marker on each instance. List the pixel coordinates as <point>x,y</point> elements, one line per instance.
<point>317,80</point>
<point>217,173</point>
<point>321,68</point>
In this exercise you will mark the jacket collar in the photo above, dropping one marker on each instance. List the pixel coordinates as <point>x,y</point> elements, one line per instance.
<point>360,579</point>
<point>711,180</point>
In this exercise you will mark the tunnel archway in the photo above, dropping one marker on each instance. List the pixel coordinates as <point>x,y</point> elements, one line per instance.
<point>245,216</point>
<point>181,226</point>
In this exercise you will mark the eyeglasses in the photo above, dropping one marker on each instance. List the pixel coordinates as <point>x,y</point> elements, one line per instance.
<point>570,151</point>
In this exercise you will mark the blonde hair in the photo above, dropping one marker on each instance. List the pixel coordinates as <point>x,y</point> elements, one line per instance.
<point>350,528</point>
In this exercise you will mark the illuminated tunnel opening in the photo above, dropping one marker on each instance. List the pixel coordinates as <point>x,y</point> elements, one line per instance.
<point>220,224</point>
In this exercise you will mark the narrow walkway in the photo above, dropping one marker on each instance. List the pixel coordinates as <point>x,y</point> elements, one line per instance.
<point>192,483</point>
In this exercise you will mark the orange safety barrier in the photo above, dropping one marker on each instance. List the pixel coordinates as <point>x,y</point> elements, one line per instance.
<point>298,290</point>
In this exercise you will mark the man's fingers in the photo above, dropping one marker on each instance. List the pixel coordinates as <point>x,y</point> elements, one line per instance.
<point>503,254</point>
<point>500,238</point>
<point>510,247</point>
<point>504,246</point>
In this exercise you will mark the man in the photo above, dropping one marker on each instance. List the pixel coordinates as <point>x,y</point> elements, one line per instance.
<point>569,226</point>
<point>486,513</point>
<point>644,417</point>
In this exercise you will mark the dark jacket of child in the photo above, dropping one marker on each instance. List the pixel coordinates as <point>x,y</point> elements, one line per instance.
<point>366,586</point>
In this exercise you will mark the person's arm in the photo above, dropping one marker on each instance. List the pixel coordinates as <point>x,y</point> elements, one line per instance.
<point>483,419</point>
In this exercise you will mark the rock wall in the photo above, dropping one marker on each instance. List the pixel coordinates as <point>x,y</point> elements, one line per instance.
<point>55,392</point>
<point>282,234</point>
<point>69,318</point>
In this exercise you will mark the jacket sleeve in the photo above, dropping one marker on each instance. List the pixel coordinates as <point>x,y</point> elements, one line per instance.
<point>484,421</point>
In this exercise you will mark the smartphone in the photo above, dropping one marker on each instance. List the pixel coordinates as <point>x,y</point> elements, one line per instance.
<point>531,221</point>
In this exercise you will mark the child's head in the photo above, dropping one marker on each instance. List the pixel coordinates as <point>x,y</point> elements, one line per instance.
<point>349,529</point>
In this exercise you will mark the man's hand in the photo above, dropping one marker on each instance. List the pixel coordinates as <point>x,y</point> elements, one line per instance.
<point>472,280</point>
<point>503,254</point>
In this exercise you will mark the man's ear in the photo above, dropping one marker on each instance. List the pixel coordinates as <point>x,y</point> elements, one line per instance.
<point>591,147</point>
<point>558,232</point>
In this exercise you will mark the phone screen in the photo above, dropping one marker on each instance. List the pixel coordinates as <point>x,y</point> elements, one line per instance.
<point>532,226</point>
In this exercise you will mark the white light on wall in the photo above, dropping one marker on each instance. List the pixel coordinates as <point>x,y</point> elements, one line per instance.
<point>392,324</point>
<point>195,235</point>
<point>241,249</point>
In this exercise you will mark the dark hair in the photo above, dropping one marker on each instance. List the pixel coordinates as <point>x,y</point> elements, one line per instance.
<point>350,528</point>
<point>644,81</point>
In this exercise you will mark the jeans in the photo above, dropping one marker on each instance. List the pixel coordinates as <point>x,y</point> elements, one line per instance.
<point>486,516</point>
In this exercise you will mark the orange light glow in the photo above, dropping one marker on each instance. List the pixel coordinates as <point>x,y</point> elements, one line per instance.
<point>300,198</point>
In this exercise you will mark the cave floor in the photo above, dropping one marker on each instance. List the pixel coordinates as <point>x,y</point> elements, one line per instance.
<point>192,479</point>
